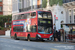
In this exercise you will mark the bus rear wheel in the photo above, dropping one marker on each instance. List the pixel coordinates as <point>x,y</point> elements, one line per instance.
<point>28,38</point>
<point>15,37</point>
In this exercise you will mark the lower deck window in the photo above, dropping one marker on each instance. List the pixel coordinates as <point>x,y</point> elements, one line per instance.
<point>18,29</point>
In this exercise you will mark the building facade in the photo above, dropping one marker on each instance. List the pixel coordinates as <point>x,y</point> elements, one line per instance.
<point>58,13</point>
<point>58,16</point>
<point>7,7</point>
<point>1,7</point>
<point>69,6</point>
<point>25,5</point>
<point>62,14</point>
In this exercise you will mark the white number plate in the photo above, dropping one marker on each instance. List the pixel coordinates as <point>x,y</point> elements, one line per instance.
<point>44,39</point>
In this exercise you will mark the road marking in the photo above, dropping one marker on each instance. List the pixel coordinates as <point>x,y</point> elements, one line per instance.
<point>53,49</point>
<point>24,49</point>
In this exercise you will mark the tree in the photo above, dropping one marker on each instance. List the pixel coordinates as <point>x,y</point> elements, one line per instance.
<point>44,3</point>
<point>52,2</point>
<point>4,19</point>
<point>60,2</point>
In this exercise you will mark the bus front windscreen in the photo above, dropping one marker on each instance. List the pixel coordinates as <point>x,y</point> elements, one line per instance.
<point>44,22</point>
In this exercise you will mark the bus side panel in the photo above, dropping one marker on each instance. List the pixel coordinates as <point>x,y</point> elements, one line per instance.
<point>33,23</point>
<point>22,35</point>
<point>33,35</point>
<point>12,33</point>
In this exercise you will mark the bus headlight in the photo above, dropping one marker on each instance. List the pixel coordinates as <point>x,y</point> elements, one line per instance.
<point>51,36</point>
<point>39,35</point>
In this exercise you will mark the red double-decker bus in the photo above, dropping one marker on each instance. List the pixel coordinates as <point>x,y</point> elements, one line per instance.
<point>32,25</point>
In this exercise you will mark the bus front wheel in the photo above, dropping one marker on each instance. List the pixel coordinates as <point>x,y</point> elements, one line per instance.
<point>43,40</point>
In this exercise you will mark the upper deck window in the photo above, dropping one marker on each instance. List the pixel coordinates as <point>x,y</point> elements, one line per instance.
<point>46,15</point>
<point>33,15</point>
<point>24,16</point>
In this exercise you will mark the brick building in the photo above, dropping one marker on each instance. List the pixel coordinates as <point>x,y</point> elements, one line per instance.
<point>1,7</point>
<point>5,7</point>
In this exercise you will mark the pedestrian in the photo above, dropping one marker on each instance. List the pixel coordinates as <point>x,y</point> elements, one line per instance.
<point>55,36</point>
<point>65,36</point>
<point>59,35</point>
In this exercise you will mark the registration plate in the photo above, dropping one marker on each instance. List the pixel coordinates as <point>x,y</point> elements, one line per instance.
<point>44,39</point>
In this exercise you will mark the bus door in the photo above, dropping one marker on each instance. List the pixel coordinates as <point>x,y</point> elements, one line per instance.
<point>33,34</point>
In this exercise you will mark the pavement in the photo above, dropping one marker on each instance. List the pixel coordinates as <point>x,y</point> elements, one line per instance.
<point>3,36</point>
<point>72,43</point>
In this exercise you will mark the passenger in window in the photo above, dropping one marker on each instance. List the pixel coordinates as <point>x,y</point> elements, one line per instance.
<point>33,15</point>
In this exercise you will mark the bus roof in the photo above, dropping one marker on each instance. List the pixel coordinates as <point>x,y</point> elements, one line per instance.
<point>29,12</point>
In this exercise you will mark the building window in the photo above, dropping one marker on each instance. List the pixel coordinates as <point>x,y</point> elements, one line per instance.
<point>70,19</point>
<point>0,8</point>
<point>19,0</point>
<point>19,4</point>
<point>70,11</point>
<point>74,18</point>
<point>0,0</point>
<point>61,12</point>
<point>74,10</point>
<point>38,6</point>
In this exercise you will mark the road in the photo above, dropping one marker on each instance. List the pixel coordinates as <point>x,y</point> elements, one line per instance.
<point>11,44</point>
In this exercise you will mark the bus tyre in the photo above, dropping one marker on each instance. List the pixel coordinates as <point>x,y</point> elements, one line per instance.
<point>28,38</point>
<point>43,40</point>
<point>15,37</point>
<point>36,37</point>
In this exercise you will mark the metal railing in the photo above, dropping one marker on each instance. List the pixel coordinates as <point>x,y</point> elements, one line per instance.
<point>29,8</point>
